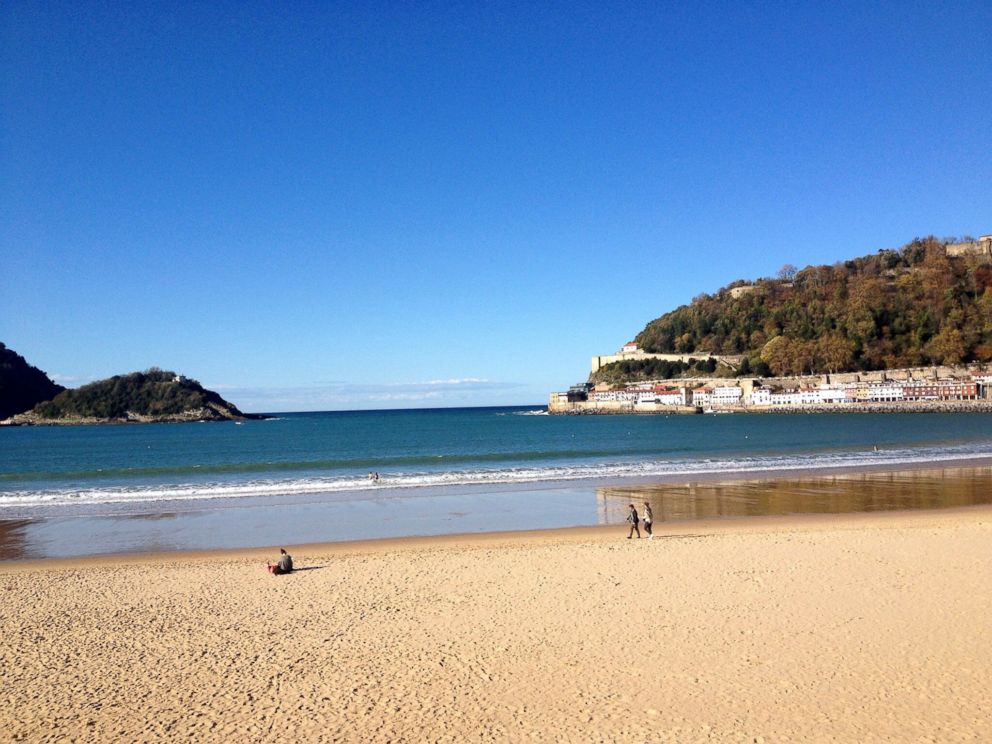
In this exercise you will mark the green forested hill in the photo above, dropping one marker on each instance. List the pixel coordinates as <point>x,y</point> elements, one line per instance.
<point>153,395</point>
<point>21,385</point>
<point>898,308</point>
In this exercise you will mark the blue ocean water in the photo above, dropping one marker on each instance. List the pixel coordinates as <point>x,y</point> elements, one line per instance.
<point>54,470</point>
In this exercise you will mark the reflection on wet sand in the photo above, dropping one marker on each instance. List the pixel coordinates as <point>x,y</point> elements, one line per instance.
<point>814,494</point>
<point>276,522</point>
<point>13,539</point>
<point>19,539</point>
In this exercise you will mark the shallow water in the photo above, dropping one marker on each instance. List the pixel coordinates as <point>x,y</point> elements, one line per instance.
<point>191,525</point>
<point>816,494</point>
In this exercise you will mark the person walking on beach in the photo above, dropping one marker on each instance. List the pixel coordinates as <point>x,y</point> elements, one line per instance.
<point>647,518</point>
<point>632,518</point>
<point>284,566</point>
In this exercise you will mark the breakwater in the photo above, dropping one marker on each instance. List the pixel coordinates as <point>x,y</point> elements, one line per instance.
<point>611,408</point>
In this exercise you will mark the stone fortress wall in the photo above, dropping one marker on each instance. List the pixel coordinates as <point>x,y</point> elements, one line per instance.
<point>730,360</point>
<point>980,247</point>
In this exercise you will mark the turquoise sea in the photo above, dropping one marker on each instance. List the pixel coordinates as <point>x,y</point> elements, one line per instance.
<point>304,476</point>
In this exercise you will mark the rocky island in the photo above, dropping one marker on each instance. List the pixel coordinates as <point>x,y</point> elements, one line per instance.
<point>152,396</point>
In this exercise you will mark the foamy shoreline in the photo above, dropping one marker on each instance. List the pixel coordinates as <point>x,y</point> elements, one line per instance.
<point>863,627</point>
<point>30,504</point>
<point>500,508</point>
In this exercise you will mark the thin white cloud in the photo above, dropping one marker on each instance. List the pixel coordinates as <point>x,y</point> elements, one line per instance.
<point>70,380</point>
<point>463,381</point>
<point>344,395</point>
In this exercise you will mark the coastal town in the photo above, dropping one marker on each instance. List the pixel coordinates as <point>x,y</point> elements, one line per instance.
<point>929,388</point>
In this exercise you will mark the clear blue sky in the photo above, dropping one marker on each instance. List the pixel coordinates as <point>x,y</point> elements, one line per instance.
<point>374,205</point>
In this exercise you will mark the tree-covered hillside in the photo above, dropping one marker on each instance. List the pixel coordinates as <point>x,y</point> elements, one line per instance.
<point>21,385</point>
<point>153,394</point>
<point>898,308</point>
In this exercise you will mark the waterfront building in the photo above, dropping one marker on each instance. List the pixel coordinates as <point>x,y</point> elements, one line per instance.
<point>579,392</point>
<point>665,396</point>
<point>886,393</point>
<point>761,396</point>
<point>833,394</point>
<point>786,398</point>
<point>614,396</point>
<point>729,395</point>
<point>941,390</point>
<point>702,396</point>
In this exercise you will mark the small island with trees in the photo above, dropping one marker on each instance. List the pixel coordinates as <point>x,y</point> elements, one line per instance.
<point>29,397</point>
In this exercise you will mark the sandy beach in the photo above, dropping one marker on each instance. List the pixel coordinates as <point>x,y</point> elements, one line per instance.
<point>868,627</point>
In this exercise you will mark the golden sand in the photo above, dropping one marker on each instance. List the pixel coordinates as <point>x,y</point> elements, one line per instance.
<point>856,628</point>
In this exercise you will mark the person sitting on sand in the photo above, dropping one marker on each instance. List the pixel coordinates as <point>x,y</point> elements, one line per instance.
<point>285,564</point>
<point>647,518</point>
<point>632,518</point>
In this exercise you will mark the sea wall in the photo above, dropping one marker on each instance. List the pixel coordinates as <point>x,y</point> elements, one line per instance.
<point>557,406</point>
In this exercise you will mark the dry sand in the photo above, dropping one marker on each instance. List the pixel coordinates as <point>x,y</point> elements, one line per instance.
<point>858,628</point>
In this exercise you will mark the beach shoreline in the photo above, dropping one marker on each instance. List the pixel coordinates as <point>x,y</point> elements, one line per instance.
<point>506,538</point>
<point>391,514</point>
<point>854,627</point>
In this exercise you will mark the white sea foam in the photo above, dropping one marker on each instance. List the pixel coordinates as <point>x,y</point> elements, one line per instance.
<point>275,486</point>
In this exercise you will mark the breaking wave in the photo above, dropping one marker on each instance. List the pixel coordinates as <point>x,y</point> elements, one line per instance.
<point>274,483</point>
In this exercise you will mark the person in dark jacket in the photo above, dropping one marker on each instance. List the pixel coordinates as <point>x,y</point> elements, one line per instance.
<point>285,564</point>
<point>633,519</point>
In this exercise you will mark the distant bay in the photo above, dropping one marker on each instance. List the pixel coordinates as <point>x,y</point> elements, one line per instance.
<point>72,470</point>
<point>304,477</point>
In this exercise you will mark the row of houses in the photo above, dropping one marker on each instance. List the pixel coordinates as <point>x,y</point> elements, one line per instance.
<point>733,396</point>
<point>886,392</point>
<point>705,397</point>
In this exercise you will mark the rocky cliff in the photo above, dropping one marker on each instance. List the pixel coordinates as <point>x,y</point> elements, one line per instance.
<point>22,386</point>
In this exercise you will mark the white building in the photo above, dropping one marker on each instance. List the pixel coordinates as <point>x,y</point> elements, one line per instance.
<point>886,393</point>
<point>726,396</point>
<point>672,397</point>
<point>787,398</point>
<point>701,396</point>
<point>761,397</point>
<point>829,394</point>
<point>615,396</point>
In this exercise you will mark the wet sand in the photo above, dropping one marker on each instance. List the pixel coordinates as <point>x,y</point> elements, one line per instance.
<point>245,523</point>
<point>862,627</point>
